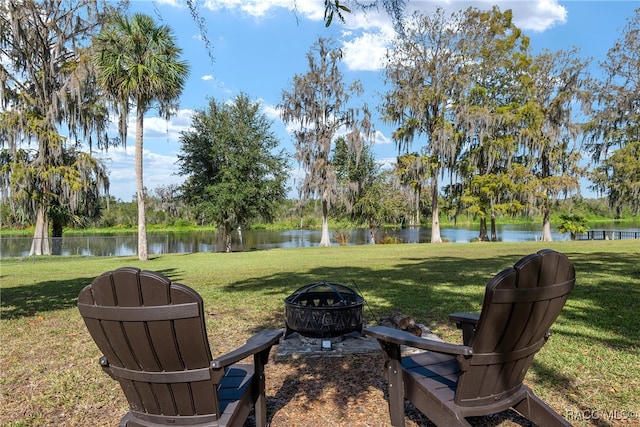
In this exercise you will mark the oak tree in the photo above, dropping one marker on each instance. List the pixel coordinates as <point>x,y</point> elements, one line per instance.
<point>234,176</point>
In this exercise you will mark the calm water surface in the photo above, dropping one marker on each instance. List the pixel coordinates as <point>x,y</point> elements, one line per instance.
<point>209,241</point>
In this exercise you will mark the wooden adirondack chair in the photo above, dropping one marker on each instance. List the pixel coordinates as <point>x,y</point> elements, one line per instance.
<point>485,374</point>
<point>152,334</point>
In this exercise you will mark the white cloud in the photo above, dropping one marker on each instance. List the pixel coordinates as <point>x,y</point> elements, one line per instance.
<point>366,52</point>
<point>381,138</point>
<point>366,43</point>
<point>370,31</point>
<point>387,162</point>
<point>271,111</point>
<point>174,3</point>
<point>540,15</point>
<point>219,85</point>
<point>156,127</point>
<point>158,170</point>
<point>309,9</point>
<point>536,15</point>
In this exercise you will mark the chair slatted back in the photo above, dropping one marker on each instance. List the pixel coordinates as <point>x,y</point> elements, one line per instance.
<point>520,305</point>
<point>152,334</point>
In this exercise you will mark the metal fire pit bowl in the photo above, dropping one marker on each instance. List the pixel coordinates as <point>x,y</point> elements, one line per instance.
<point>323,310</point>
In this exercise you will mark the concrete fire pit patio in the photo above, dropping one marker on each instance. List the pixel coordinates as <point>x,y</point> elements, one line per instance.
<point>297,346</point>
<point>326,319</point>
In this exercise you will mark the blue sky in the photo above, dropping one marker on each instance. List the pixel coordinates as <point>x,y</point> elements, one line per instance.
<point>259,45</point>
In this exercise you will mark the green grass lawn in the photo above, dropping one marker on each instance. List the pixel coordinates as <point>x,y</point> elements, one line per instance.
<point>591,364</point>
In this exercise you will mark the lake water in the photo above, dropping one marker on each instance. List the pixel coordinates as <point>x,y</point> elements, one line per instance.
<point>209,241</point>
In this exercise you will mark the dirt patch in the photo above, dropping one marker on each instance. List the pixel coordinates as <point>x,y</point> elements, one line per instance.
<point>340,391</point>
<point>344,391</point>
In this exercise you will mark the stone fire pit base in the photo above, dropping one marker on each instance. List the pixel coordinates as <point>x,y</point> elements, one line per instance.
<point>297,346</point>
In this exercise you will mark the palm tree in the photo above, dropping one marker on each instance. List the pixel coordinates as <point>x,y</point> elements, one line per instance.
<point>138,65</point>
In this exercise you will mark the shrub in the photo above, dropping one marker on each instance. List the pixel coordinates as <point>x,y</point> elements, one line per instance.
<point>342,237</point>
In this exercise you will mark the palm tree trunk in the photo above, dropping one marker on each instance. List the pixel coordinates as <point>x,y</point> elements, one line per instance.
<point>142,217</point>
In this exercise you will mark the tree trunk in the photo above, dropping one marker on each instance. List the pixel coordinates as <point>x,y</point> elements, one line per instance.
<point>227,230</point>
<point>494,233</point>
<point>142,217</point>
<point>435,214</point>
<point>40,242</point>
<point>324,240</point>
<point>482,236</point>
<point>415,221</point>
<point>546,224</point>
<point>372,232</point>
<point>56,237</point>
<point>618,211</point>
<point>227,242</point>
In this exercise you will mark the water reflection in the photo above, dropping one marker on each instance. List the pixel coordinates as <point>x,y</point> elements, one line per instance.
<point>209,241</point>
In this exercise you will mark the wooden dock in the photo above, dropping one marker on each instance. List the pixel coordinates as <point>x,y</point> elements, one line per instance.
<point>608,235</point>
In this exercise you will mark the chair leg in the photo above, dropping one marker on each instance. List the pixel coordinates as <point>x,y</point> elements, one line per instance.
<point>260,391</point>
<point>393,367</point>
<point>431,406</point>
<point>261,411</point>
<point>125,420</point>
<point>539,412</point>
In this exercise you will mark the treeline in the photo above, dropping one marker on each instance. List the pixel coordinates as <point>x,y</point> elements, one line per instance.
<point>485,129</point>
<point>167,210</point>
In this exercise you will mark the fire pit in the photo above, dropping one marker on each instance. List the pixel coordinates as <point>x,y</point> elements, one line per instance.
<point>323,310</point>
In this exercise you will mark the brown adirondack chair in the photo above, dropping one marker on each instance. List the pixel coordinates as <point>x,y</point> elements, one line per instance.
<point>485,374</point>
<point>152,334</point>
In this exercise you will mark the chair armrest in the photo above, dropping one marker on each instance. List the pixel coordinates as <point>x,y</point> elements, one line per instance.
<point>388,335</point>
<point>467,322</point>
<point>261,341</point>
